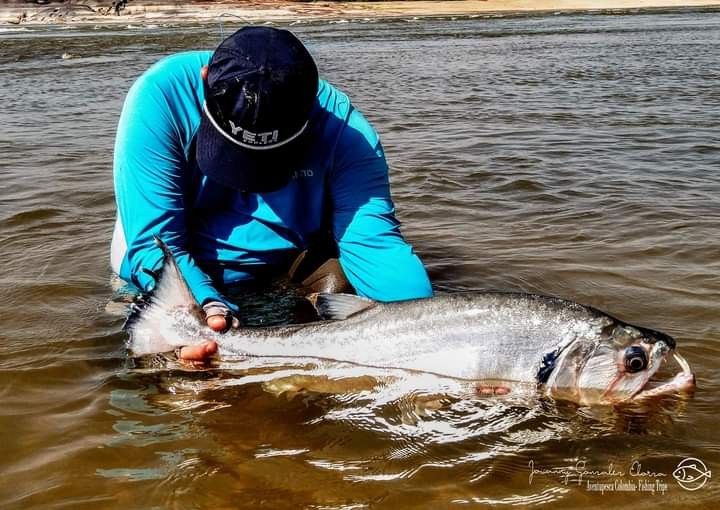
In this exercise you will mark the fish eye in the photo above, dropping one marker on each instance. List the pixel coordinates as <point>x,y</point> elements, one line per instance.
<point>635,359</point>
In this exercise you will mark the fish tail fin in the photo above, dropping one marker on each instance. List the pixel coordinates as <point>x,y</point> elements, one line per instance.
<point>170,297</point>
<point>171,289</point>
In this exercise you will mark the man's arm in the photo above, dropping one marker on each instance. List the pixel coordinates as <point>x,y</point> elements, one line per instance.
<point>150,179</point>
<point>376,259</point>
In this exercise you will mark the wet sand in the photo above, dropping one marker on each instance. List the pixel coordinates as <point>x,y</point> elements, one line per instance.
<point>269,10</point>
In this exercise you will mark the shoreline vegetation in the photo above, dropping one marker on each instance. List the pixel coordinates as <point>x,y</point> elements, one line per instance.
<point>47,12</point>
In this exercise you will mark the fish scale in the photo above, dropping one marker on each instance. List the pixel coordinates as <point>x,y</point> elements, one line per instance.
<point>568,349</point>
<point>467,336</point>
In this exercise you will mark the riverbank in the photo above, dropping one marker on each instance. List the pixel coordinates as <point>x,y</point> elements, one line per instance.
<point>286,11</point>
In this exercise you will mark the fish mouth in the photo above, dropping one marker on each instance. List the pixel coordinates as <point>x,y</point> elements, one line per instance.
<point>682,382</point>
<point>623,386</point>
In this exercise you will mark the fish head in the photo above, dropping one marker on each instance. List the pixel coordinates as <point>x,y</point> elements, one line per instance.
<point>615,364</point>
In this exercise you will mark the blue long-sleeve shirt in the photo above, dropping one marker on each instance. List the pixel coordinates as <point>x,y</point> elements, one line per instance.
<point>222,235</point>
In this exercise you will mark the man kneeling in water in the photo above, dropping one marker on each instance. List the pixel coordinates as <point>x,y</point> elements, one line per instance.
<point>240,160</point>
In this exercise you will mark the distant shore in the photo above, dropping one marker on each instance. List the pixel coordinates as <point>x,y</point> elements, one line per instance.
<point>151,12</point>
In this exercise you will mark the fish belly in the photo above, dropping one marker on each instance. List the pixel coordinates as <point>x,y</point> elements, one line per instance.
<point>491,338</point>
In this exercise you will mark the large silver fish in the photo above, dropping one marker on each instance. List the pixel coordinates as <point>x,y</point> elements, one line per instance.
<point>566,350</point>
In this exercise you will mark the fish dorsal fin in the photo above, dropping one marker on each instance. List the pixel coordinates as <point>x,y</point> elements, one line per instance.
<point>339,306</point>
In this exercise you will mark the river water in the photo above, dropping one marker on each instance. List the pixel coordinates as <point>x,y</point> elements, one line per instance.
<point>572,155</point>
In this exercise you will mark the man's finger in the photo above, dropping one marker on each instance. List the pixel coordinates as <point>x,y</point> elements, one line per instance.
<point>217,323</point>
<point>201,352</point>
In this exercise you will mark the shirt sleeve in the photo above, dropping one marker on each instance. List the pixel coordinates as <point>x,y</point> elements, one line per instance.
<point>150,177</point>
<point>377,260</point>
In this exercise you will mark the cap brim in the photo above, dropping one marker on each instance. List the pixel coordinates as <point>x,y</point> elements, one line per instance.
<point>246,169</point>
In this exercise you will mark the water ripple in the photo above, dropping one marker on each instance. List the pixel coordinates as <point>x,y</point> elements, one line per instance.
<point>572,155</point>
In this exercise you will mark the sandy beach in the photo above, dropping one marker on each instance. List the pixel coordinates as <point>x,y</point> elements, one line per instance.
<point>79,12</point>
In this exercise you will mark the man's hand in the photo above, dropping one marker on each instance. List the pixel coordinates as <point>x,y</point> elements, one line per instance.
<point>219,317</point>
<point>199,354</point>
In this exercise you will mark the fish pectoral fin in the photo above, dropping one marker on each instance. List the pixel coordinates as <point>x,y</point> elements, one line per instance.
<point>339,306</point>
<point>492,389</point>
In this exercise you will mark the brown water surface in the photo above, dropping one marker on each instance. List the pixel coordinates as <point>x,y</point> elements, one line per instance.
<point>569,155</point>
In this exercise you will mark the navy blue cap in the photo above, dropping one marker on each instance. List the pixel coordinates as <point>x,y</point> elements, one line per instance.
<point>259,94</point>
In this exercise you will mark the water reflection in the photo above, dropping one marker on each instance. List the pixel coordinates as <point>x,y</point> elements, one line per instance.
<point>389,430</point>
